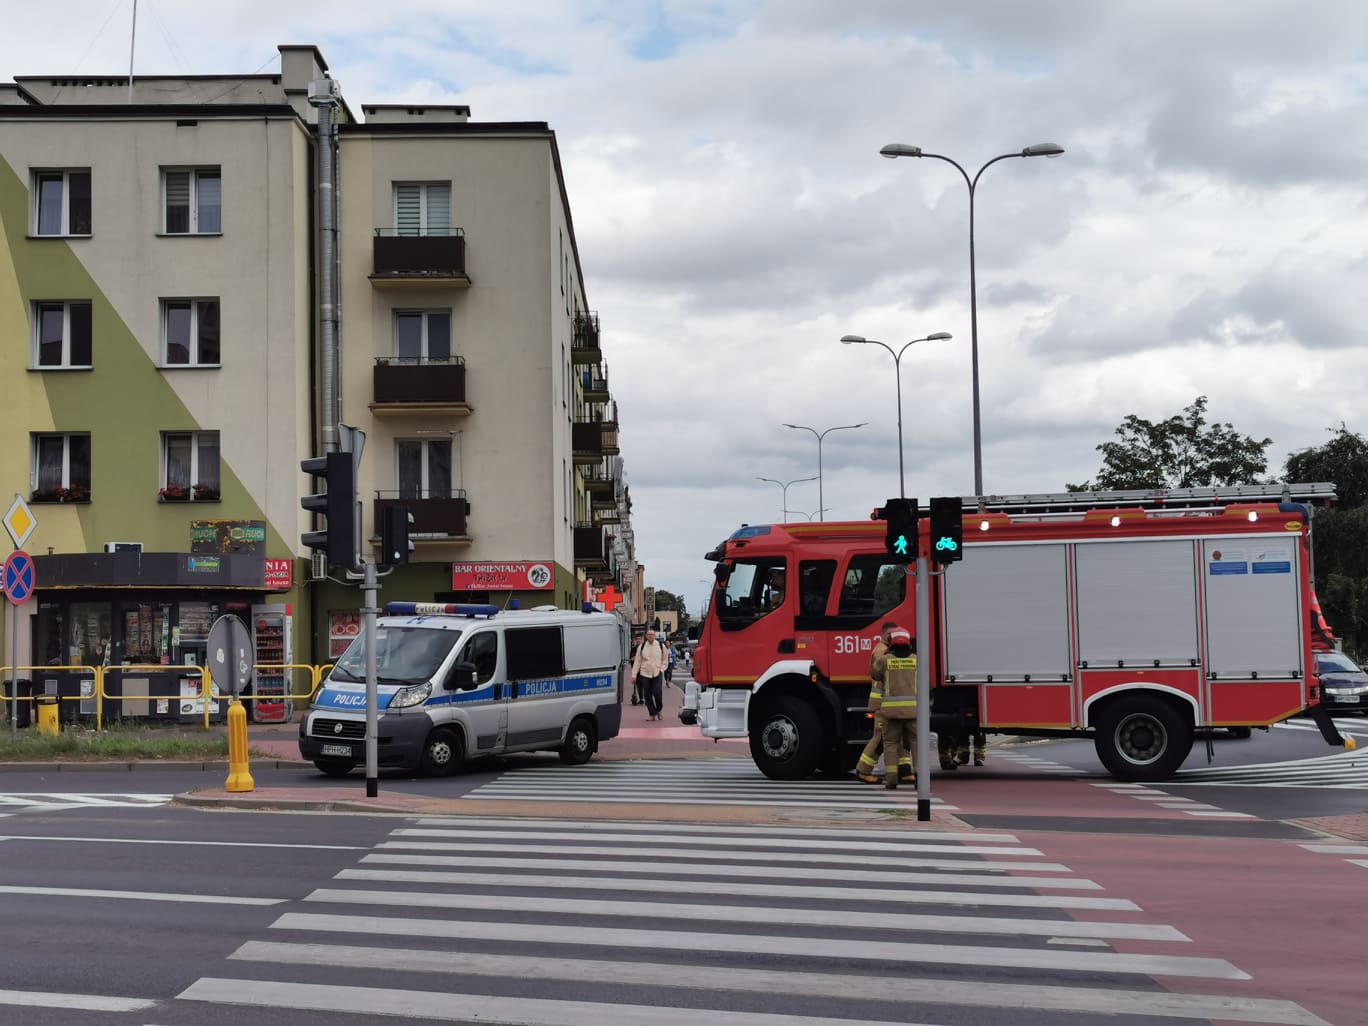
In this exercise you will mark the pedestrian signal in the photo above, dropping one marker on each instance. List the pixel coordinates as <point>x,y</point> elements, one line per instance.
<point>947,530</point>
<point>395,546</point>
<point>900,537</point>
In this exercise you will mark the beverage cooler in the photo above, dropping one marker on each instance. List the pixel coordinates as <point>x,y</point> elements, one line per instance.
<point>273,647</point>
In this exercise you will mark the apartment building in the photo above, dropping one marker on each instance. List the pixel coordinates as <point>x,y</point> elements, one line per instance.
<point>162,272</point>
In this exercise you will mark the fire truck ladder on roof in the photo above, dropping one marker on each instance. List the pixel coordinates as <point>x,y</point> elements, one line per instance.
<point>1160,498</point>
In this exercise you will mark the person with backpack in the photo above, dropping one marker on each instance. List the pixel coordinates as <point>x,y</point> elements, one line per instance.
<point>648,671</point>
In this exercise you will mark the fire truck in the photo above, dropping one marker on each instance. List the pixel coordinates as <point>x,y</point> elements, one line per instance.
<point>1141,619</point>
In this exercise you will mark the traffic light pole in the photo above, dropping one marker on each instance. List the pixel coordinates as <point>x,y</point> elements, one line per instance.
<point>369,586</point>
<point>924,650</point>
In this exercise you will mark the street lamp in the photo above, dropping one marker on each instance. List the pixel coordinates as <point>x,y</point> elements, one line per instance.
<point>808,515</point>
<point>785,487</point>
<point>897,372</point>
<point>894,150</point>
<point>821,506</point>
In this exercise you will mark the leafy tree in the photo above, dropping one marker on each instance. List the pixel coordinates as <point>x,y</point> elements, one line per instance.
<point>669,600</point>
<point>1183,451</point>
<point>1343,460</point>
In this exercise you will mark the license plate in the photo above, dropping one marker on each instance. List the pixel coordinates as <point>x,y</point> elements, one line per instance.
<point>1344,698</point>
<point>343,750</point>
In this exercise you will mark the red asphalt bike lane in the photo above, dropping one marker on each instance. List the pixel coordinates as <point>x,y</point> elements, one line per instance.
<point>1294,920</point>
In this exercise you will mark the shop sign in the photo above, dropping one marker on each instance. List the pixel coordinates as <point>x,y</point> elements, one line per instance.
<point>279,574</point>
<point>220,536</point>
<point>502,577</point>
<point>203,564</point>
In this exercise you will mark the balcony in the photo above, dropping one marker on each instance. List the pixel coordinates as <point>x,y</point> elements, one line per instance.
<point>416,261</point>
<point>591,549</point>
<point>404,385</point>
<point>606,514</point>
<point>586,442</point>
<point>584,344</point>
<point>599,482</point>
<point>608,435</point>
<point>594,384</point>
<point>437,516</point>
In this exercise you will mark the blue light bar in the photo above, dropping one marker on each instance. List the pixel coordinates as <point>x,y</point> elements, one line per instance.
<point>439,608</point>
<point>749,531</point>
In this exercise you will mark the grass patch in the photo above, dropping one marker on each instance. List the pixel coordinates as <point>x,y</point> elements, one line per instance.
<point>116,744</point>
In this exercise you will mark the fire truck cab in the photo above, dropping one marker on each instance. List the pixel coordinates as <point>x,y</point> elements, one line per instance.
<point>1139,619</point>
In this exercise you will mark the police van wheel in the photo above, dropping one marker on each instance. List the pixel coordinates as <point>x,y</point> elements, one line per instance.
<point>787,741</point>
<point>580,741</point>
<point>442,753</point>
<point>1142,737</point>
<point>334,769</point>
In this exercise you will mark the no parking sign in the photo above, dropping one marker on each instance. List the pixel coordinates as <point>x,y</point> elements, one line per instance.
<point>20,578</point>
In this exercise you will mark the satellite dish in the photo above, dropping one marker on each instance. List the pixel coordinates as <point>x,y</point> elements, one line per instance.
<point>229,655</point>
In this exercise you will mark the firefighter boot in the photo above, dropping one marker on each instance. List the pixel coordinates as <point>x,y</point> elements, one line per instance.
<point>905,774</point>
<point>980,751</point>
<point>946,750</point>
<point>864,769</point>
<point>868,778</point>
<point>962,754</point>
<point>891,781</point>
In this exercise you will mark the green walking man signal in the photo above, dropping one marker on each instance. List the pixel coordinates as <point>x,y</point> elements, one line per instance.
<point>900,538</point>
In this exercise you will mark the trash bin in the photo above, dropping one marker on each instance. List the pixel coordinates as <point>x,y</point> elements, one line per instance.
<point>47,708</point>
<point>24,688</point>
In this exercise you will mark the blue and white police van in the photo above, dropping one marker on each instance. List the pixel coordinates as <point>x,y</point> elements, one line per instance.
<point>461,681</point>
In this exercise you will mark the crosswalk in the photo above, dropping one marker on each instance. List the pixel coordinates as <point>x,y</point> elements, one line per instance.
<point>1339,770</point>
<point>584,923</point>
<point>63,801</point>
<point>714,782</point>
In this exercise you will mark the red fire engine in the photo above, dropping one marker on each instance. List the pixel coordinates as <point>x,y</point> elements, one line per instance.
<point>1142,619</point>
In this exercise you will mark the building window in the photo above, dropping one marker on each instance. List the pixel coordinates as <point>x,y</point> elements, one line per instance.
<point>190,332</point>
<point>422,208</point>
<point>61,335</point>
<point>194,203</point>
<point>422,336</point>
<point>190,466</point>
<point>60,470</point>
<point>61,203</point>
<point>424,468</point>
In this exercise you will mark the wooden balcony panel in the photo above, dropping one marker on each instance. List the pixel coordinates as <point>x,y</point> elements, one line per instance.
<point>419,260</point>
<point>401,386</point>
<point>590,547</point>
<point>437,517</point>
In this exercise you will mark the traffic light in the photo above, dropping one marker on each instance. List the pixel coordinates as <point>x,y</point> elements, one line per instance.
<point>900,537</point>
<point>394,535</point>
<point>947,530</point>
<point>337,502</point>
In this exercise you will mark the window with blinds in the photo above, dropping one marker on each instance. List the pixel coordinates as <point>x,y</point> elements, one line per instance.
<point>422,208</point>
<point>194,204</point>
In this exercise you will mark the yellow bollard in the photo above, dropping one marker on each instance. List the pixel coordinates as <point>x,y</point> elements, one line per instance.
<point>47,715</point>
<point>239,779</point>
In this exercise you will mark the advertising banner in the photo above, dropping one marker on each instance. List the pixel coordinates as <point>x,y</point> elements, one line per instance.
<point>502,577</point>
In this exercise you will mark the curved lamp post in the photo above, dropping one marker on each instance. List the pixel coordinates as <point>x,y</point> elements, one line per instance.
<point>897,371</point>
<point>894,150</point>
<point>785,487</point>
<point>821,506</point>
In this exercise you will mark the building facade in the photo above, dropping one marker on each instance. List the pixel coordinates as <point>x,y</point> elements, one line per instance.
<point>162,288</point>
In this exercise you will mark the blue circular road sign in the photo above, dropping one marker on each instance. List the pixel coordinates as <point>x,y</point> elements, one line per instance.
<point>20,579</point>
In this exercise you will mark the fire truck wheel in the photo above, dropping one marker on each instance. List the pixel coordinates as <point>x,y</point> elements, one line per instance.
<point>787,740</point>
<point>1142,737</point>
<point>580,741</point>
<point>1241,733</point>
<point>442,753</point>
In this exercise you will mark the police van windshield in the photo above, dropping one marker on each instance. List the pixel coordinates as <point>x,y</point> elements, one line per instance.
<point>403,655</point>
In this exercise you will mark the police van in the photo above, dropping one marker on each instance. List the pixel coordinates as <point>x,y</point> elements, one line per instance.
<point>456,682</point>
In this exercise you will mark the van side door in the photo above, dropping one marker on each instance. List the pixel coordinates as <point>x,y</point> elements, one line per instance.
<point>534,659</point>
<point>482,709</point>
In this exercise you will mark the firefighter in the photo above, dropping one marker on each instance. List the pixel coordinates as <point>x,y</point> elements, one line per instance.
<point>953,749</point>
<point>899,708</point>
<point>864,769</point>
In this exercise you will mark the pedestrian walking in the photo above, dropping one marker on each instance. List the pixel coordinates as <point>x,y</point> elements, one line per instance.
<point>899,671</point>
<point>864,768</point>
<point>648,671</point>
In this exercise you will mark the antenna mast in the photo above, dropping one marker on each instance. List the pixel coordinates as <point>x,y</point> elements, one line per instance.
<point>132,38</point>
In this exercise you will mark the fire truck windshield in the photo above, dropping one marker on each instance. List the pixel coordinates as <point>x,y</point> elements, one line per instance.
<point>755,588</point>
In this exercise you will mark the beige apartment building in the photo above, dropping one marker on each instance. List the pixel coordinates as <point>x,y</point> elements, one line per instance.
<point>163,291</point>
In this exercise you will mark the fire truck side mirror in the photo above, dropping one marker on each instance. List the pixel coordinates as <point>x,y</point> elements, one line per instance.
<point>721,572</point>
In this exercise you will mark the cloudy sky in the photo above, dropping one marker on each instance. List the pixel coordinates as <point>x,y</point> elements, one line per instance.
<point>1203,234</point>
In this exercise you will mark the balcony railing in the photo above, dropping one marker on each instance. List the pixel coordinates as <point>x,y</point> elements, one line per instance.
<point>437,515</point>
<point>594,384</point>
<point>591,549</point>
<point>584,343</point>
<point>586,441</point>
<point>434,258</point>
<point>412,385</point>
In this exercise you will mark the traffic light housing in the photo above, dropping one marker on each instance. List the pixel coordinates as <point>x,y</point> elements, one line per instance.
<point>337,502</point>
<point>900,536</point>
<point>394,535</point>
<point>947,529</point>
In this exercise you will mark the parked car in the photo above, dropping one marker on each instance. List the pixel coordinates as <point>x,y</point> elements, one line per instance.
<point>1344,686</point>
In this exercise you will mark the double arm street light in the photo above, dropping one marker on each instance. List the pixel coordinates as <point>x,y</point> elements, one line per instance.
<point>893,150</point>
<point>897,373</point>
<point>785,487</point>
<point>821,506</point>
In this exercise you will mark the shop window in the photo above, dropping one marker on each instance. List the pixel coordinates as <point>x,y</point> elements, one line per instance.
<point>424,467</point>
<point>190,466</point>
<point>147,633</point>
<point>60,468</point>
<point>190,332</point>
<point>62,335</point>
<point>193,201</point>
<point>61,202</point>
<point>90,637</point>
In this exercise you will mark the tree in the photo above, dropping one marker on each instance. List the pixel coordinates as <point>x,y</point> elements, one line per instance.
<point>1180,452</point>
<point>669,600</point>
<point>1343,460</point>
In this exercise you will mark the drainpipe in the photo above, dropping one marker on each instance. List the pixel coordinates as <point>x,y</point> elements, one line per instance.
<point>324,94</point>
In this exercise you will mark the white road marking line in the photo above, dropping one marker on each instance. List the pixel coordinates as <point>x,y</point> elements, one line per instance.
<point>82,1002</point>
<point>1220,814</point>
<point>519,826</point>
<point>87,892</point>
<point>212,844</point>
<point>902,989</point>
<point>1336,849</point>
<point>478,1008</point>
<point>994,866</point>
<point>749,914</point>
